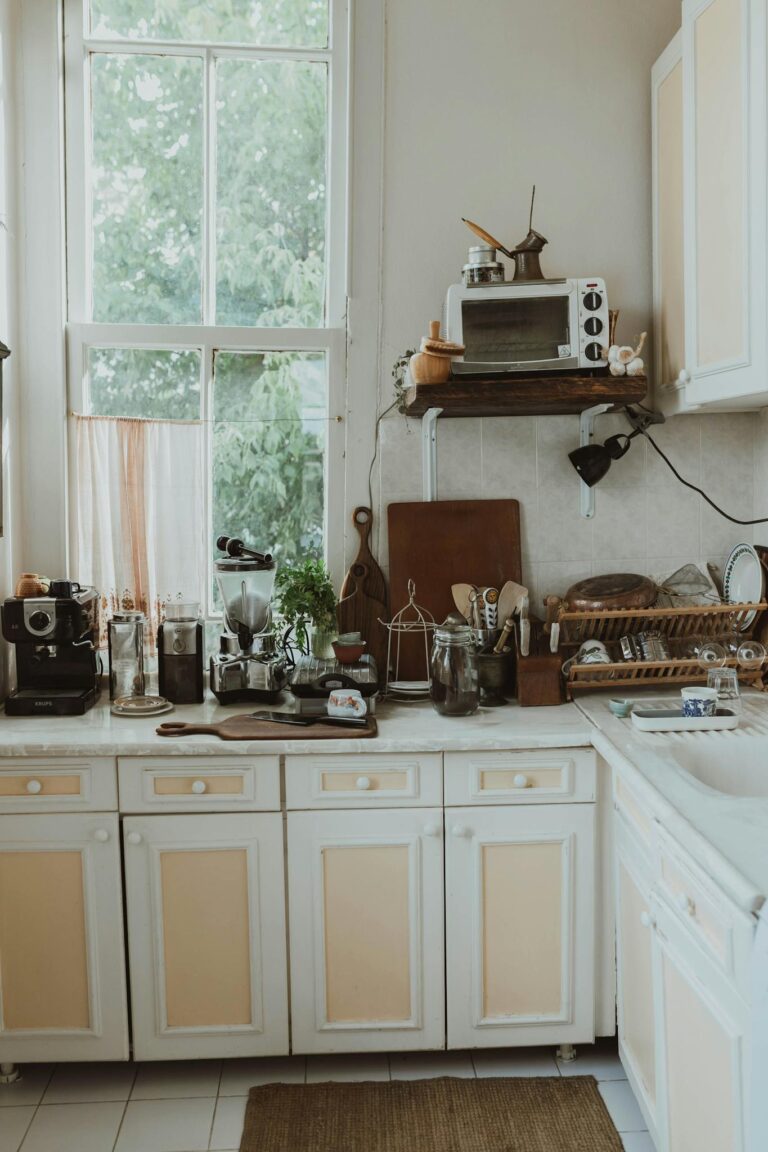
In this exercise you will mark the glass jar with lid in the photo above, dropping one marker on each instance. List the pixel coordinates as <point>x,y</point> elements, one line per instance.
<point>454,683</point>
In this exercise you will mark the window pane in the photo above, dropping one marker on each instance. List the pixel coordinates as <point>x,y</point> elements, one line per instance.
<point>139,383</point>
<point>147,188</point>
<point>301,23</point>
<point>269,436</point>
<point>271,182</point>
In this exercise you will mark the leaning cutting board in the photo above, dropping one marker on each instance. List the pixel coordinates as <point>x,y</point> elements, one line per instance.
<point>444,542</point>
<point>245,727</point>
<point>363,600</point>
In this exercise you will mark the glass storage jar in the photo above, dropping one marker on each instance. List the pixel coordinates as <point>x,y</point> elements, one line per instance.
<point>454,684</point>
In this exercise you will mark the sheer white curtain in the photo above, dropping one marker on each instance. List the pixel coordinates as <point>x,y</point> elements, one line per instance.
<point>139,512</point>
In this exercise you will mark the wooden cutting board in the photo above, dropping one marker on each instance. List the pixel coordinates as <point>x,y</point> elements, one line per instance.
<point>437,544</point>
<point>363,600</point>
<point>245,727</point>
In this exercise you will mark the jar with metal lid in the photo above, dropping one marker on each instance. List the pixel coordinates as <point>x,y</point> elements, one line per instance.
<point>125,632</point>
<point>483,267</point>
<point>454,683</point>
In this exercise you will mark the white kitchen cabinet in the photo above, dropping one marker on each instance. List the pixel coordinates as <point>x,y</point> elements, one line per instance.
<point>520,923</point>
<point>702,1027</point>
<point>205,900</point>
<point>634,963</point>
<point>62,967</point>
<point>366,926</point>
<point>722,155</point>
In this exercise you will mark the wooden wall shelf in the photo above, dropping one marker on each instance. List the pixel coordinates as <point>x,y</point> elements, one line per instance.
<point>538,395</point>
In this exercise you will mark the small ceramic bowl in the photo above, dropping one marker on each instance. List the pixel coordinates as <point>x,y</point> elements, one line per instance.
<point>699,701</point>
<point>620,708</point>
<point>348,653</point>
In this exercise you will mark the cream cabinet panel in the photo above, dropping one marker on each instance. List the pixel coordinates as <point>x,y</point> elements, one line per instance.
<point>199,783</point>
<point>366,927</point>
<point>62,967</point>
<point>724,76</point>
<point>522,776</point>
<point>702,1027</point>
<point>371,780</point>
<point>669,280</point>
<point>520,899</point>
<point>58,785</point>
<point>206,935</point>
<point>634,961</point>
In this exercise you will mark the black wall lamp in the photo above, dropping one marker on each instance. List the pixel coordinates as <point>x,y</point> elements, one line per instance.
<point>592,461</point>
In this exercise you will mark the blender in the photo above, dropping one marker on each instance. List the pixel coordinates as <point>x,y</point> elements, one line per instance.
<point>248,665</point>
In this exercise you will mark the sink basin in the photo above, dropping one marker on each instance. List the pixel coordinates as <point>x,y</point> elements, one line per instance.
<point>737,767</point>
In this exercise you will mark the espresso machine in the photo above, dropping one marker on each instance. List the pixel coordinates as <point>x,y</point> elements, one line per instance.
<point>249,664</point>
<point>57,666</point>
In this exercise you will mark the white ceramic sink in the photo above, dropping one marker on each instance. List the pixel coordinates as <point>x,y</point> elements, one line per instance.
<point>737,767</point>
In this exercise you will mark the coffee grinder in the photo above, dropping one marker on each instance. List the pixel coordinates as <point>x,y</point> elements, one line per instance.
<point>249,665</point>
<point>57,665</point>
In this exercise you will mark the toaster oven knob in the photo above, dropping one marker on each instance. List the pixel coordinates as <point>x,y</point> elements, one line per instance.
<point>594,352</point>
<point>593,326</point>
<point>593,301</point>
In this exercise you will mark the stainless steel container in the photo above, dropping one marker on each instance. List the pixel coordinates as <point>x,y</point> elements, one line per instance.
<point>483,267</point>
<point>126,654</point>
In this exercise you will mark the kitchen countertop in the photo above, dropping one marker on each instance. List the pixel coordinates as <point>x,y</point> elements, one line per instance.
<point>727,835</point>
<point>402,728</point>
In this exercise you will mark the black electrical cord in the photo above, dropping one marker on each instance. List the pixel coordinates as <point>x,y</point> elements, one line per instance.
<point>687,483</point>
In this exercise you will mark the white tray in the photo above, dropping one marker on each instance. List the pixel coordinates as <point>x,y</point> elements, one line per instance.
<point>663,720</point>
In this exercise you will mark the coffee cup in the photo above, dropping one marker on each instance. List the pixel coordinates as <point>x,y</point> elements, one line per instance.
<point>699,701</point>
<point>347,702</point>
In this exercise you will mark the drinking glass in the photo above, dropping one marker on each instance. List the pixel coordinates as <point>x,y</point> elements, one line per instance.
<point>751,655</point>
<point>712,655</point>
<point>725,682</point>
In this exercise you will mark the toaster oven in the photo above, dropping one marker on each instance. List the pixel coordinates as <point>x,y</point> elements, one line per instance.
<point>539,326</point>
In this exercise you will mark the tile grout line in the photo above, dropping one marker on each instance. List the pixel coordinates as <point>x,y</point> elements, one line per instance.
<point>37,1106</point>
<point>120,1125</point>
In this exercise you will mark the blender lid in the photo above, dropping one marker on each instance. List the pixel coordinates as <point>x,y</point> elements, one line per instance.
<point>243,564</point>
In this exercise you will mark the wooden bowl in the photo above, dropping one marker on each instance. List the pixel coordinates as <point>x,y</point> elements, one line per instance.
<point>429,368</point>
<point>617,590</point>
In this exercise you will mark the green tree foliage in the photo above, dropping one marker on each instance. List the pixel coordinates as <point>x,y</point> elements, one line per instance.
<point>268,222</point>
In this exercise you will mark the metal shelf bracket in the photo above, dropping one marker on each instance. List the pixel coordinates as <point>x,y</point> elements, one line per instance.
<point>429,453</point>
<point>586,435</point>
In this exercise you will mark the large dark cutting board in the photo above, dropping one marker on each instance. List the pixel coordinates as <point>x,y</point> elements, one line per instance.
<point>246,727</point>
<point>437,544</point>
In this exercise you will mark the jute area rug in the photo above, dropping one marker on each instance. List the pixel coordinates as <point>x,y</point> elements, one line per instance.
<point>545,1114</point>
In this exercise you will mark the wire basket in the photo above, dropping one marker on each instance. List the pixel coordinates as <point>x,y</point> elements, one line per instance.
<point>412,620</point>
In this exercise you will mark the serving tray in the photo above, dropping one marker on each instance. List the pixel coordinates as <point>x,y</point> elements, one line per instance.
<point>671,720</point>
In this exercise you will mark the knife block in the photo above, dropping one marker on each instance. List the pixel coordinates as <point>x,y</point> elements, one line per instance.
<point>539,676</point>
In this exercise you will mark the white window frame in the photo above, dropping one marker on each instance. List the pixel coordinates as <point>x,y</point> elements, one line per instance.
<point>208,338</point>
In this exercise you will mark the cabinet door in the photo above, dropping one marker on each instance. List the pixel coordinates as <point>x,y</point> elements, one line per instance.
<point>520,925</point>
<point>702,1025</point>
<point>206,935</point>
<point>366,918</point>
<point>634,944</point>
<point>724,55</point>
<point>668,248</point>
<point>62,965</point>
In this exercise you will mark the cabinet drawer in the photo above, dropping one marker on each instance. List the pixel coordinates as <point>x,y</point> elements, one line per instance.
<point>200,784</point>
<point>368,781</point>
<point>632,809</point>
<point>535,776</point>
<point>58,785</point>
<point>721,929</point>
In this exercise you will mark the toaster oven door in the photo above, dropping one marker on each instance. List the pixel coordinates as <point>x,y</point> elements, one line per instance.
<point>517,334</point>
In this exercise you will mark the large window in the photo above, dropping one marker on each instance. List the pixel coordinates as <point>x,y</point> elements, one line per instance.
<point>206,161</point>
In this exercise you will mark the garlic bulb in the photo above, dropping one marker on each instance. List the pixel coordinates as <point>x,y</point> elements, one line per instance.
<point>617,369</point>
<point>625,354</point>
<point>613,353</point>
<point>636,367</point>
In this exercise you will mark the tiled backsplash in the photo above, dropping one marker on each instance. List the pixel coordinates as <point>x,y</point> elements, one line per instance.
<point>645,520</point>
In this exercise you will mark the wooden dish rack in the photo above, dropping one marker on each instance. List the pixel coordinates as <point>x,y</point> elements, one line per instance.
<point>712,623</point>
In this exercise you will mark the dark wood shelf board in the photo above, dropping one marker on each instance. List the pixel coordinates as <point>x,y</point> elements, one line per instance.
<point>539,395</point>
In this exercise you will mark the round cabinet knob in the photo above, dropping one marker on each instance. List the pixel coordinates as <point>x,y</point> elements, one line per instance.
<point>460,831</point>
<point>645,919</point>
<point>199,786</point>
<point>102,835</point>
<point>684,377</point>
<point>685,904</point>
<point>34,786</point>
<point>593,326</point>
<point>592,301</point>
<point>363,783</point>
<point>134,837</point>
<point>520,781</point>
<point>594,352</point>
<point>432,830</point>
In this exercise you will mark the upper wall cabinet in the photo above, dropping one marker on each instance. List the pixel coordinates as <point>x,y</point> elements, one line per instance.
<point>709,196</point>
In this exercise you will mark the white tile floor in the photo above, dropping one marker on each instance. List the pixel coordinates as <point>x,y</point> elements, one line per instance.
<point>196,1106</point>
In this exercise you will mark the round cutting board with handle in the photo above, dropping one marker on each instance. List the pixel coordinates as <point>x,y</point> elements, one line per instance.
<point>364,574</point>
<point>363,599</point>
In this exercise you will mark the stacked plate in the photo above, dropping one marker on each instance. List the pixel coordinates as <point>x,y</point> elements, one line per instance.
<point>141,706</point>
<point>744,580</point>
<point>406,690</point>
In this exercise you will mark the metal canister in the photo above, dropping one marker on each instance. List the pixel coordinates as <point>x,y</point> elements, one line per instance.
<point>126,654</point>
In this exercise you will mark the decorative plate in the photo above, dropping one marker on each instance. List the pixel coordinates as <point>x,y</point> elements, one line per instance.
<point>141,706</point>
<point>743,580</point>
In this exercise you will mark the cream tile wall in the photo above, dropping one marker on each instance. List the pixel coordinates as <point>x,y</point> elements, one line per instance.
<point>645,520</point>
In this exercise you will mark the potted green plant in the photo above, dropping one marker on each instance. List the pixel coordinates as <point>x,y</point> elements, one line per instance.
<point>305,598</point>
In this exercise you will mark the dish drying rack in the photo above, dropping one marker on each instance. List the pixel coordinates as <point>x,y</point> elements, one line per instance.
<point>711,623</point>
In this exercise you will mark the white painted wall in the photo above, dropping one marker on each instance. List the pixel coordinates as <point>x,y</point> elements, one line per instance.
<point>483,100</point>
